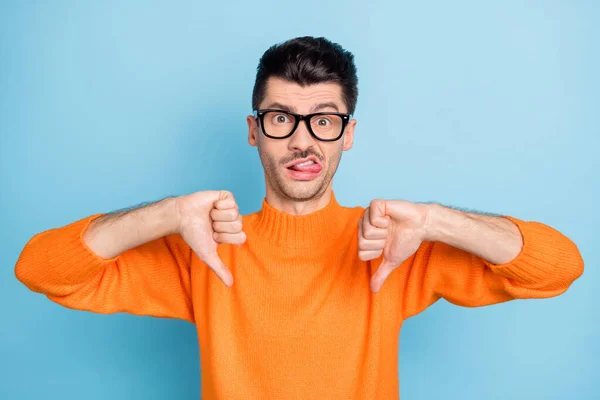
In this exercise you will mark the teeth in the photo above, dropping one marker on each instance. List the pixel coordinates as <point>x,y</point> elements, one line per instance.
<point>306,163</point>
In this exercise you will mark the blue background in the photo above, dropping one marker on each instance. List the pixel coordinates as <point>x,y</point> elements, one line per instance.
<point>491,107</point>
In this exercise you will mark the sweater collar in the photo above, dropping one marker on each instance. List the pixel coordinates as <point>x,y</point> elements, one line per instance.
<point>301,231</point>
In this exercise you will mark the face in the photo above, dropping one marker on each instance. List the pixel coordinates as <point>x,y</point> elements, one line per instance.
<point>276,155</point>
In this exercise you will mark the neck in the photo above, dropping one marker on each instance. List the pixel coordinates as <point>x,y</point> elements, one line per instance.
<point>315,230</point>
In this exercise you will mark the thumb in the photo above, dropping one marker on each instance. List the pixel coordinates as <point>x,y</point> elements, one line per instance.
<point>225,200</point>
<point>214,262</point>
<point>385,269</point>
<point>377,214</point>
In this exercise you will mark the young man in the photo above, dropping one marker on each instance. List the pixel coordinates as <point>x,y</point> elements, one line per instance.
<point>321,290</point>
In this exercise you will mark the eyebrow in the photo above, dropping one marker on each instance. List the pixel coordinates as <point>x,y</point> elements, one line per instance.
<point>315,108</point>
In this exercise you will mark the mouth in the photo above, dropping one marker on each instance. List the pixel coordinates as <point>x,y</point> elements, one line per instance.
<point>304,169</point>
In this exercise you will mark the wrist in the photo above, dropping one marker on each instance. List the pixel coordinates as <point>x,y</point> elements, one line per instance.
<point>433,226</point>
<point>170,215</point>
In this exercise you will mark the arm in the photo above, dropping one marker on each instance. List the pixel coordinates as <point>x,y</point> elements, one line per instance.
<point>113,234</point>
<point>475,260</point>
<point>132,261</point>
<point>468,259</point>
<point>496,239</point>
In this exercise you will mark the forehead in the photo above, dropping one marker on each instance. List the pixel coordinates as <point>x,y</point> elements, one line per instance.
<point>300,98</point>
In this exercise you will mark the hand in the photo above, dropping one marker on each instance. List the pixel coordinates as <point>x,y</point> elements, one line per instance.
<point>207,219</point>
<point>395,228</point>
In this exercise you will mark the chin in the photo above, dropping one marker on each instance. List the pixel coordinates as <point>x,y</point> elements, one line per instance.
<point>302,190</point>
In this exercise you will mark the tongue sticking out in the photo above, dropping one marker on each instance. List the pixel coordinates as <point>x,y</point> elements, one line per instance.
<point>307,168</point>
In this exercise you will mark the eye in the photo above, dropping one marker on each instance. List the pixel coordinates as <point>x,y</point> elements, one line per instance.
<point>323,122</point>
<point>281,118</point>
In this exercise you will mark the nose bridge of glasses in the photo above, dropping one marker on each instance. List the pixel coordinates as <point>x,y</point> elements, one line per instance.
<point>306,126</point>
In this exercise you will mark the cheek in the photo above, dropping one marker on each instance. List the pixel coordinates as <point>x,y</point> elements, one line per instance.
<point>270,151</point>
<point>333,155</point>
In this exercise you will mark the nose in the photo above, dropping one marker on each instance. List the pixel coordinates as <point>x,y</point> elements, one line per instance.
<point>301,139</point>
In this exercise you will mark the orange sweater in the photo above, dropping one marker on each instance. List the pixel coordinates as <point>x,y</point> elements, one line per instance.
<point>300,321</point>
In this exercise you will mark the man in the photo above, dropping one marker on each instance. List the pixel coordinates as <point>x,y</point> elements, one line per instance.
<point>321,290</point>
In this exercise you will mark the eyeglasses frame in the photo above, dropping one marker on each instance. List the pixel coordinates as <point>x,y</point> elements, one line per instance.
<point>260,116</point>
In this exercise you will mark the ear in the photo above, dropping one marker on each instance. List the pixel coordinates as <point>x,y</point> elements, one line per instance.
<point>349,135</point>
<point>252,130</point>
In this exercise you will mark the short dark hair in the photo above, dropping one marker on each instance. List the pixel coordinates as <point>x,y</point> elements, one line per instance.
<point>308,60</point>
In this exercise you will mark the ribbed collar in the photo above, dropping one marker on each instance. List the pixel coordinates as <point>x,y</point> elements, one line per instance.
<point>316,229</point>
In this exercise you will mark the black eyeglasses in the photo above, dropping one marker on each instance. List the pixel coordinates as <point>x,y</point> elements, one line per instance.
<point>280,124</point>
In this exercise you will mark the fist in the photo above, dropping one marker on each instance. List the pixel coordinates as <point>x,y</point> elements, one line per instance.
<point>394,229</point>
<point>207,219</point>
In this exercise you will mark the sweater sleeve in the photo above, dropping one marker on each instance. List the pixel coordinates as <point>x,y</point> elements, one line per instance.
<point>151,279</point>
<point>546,266</point>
